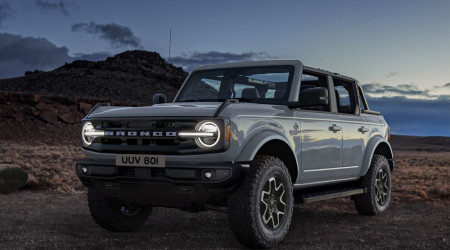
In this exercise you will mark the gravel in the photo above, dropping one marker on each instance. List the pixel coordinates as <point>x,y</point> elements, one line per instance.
<point>49,219</point>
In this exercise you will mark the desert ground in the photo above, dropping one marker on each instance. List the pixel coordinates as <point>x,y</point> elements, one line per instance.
<point>51,210</point>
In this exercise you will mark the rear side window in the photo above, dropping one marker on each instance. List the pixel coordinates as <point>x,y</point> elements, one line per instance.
<point>362,103</point>
<point>345,96</point>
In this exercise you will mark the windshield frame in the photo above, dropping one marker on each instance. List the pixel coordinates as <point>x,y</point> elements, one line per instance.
<point>290,69</point>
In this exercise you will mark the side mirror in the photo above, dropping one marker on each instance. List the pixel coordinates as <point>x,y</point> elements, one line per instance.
<point>159,98</point>
<point>313,97</point>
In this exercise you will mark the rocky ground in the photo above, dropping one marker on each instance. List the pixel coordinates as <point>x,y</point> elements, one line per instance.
<point>51,210</point>
<point>54,220</point>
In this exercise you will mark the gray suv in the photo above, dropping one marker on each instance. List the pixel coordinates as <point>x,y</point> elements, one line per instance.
<point>250,139</point>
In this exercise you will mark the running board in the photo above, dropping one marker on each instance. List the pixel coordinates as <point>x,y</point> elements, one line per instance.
<point>325,195</point>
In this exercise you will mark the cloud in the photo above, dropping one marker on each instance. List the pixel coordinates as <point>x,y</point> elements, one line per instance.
<point>407,91</point>
<point>54,5</point>
<point>391,74</point>
<point>19,54</point>
<point>191,60</point>
<point>414,117</point>
<point>116,34</point>
<point>410,110</point>
<point>5,11</point>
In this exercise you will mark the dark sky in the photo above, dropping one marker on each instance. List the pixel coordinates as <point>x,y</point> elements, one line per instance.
<point>398,49</point>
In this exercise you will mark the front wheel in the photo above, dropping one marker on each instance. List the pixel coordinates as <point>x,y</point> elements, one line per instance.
<point>116,215</point>
<point>377,183</point>
<point>260,211</point>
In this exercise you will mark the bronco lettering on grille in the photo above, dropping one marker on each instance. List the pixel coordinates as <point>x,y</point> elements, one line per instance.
<point>141,133</point>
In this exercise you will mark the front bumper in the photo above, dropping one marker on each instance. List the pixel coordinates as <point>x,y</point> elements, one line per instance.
<point>181,185</point>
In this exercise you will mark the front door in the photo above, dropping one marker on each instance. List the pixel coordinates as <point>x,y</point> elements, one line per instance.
<point>321,134</point>
<point>321,147</point>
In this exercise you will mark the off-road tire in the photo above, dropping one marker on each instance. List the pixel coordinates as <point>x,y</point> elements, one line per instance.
<point>108,214</point>
<point>244,205</point>
<point>367,203</point>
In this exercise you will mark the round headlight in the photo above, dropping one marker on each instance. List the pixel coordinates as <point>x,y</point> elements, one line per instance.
<point>86,132</point>
<point>209,141</point>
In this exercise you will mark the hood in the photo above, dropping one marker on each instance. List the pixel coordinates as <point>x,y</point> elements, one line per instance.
<point>185,109</point>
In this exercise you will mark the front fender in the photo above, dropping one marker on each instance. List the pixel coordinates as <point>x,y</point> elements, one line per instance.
<point>256,142</point>
<point>372,146</point>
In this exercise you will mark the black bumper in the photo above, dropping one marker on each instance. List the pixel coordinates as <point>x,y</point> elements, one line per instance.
<point>179,185</point>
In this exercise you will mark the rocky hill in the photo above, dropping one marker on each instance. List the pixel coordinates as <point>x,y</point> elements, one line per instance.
<point>129,77</point>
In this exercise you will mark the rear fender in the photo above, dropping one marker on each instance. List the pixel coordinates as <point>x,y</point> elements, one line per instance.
<point>380,145</point>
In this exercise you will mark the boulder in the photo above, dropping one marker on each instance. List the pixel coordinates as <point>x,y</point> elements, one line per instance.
<point>42,105</point>
<point>11,178</point>
<point>62,109</point>
<point>72,117</point>
<point>85,107</point>
<point>32,111</point>
<point>29,98</point>
<point>71,100</point>
<point>49,115</point>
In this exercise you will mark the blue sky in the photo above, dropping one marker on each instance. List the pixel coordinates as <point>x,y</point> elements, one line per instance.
<point>400,49</point>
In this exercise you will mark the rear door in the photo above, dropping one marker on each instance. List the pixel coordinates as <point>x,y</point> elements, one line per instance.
<point>355,130</point>
<point>321,136</point>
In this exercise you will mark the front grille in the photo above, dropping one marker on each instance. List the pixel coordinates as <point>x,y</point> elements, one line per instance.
<point>146,141</point>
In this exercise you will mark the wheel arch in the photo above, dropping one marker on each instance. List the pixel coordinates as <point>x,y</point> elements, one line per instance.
<point>379,146</point>
<point>271,144</point>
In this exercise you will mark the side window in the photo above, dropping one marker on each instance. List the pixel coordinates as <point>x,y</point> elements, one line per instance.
<point>362,103</point>
<point>345,96</point>
<point>313,91</point>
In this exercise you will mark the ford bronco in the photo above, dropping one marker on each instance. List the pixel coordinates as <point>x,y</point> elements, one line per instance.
<point>249,138</point>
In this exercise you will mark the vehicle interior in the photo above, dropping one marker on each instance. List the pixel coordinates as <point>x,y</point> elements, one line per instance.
<point>314,87</point>
<point>255,84</point>
<point>345,96</point>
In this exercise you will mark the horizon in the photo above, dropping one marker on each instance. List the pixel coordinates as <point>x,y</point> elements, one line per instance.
<point>396,50</point>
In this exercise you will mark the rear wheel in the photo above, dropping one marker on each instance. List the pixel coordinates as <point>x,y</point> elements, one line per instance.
<point>377,183</point>
<point>260,211</point>
<point>116,215</point>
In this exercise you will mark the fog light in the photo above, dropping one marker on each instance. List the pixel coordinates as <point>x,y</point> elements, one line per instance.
<point>208,175</point>
<point>84,169</point>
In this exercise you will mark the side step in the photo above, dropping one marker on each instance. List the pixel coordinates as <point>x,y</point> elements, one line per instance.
<point>329,194</point>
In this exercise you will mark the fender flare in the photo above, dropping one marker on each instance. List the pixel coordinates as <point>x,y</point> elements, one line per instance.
<point>372,146</point>
<point>255,143</point>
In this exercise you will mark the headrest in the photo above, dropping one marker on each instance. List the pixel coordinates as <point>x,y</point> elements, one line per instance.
<point>250,93</point>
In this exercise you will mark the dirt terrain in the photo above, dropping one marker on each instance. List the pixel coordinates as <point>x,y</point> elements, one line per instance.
<point>51,211</point>
<point>56,220</point>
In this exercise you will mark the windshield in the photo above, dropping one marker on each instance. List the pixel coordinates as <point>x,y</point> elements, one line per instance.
<point>268,84</point>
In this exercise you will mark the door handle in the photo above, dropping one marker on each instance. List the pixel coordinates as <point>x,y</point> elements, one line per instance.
<point>363,129</point>
<point>335,128</point>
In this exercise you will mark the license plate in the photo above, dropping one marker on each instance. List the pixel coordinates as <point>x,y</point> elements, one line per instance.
<point>157,161</point>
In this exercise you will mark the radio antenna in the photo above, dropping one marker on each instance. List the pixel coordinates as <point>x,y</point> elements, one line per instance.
<point>170,41</point>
